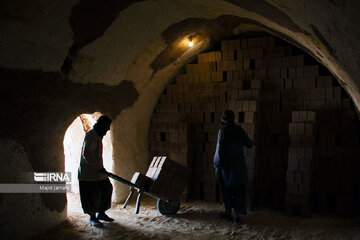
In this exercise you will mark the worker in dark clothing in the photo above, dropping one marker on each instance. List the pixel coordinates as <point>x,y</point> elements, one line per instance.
<point>230,166</point>
<point>94,184</point>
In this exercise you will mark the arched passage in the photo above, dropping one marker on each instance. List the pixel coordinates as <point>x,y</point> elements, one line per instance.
<point>86,38</point>
<point>73,141</point>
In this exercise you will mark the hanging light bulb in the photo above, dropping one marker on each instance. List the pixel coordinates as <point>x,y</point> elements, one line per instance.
<point>190,42</point>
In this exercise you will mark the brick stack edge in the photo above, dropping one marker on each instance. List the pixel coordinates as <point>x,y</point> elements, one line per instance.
<point>142,180</point>
<point>169,178</point>
<point>264,81</point>
<point>300,164</point>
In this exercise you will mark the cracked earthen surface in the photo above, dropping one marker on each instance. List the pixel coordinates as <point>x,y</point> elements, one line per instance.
<point>62,59</point>
<point>200,220</point>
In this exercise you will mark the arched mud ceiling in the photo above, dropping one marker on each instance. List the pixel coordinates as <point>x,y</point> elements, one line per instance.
<point>223,27</point>
<point>86,26</point>
<point>268,11</point>
<point>214,30</point>
<point>39,107</point>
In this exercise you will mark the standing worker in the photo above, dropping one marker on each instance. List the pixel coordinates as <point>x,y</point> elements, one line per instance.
<point>229,162</point>
<point>94,184</point>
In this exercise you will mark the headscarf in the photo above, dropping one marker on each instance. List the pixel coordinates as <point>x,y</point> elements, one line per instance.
<point>228,116</point>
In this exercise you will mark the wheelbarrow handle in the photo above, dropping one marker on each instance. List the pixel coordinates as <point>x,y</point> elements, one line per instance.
<point>122,180</point>
<point>132,186</point>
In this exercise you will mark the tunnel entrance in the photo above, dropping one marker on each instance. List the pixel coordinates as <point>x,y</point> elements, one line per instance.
<point>73,141</point>
<point>304,125</point>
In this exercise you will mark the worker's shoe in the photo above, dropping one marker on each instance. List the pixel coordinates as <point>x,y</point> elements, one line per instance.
<point>225,215</point>
<point>95,222</point>
<point>104,217</point>
<point>237,219</point>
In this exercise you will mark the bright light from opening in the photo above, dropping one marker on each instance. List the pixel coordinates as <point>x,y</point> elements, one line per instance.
<point>191,44</point>
<point>73,140</point>
<point>91,118</point>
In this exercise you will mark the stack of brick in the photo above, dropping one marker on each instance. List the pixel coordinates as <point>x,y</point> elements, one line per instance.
<point>300,163</point>
<point>244,87</point>
<point>208,103</point>
<point>247,115</point>
<point>169,178</point>
<point>222,80</point>
<point>142,180</point>
<point>333,188</point>
<point>336,180</point>
<point>170,139</point>
<point>263,80</point>
<point>196,99</point>
<point>210,137</point>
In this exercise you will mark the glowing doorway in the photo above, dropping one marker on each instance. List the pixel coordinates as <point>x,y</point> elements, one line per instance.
<point>73,141</point>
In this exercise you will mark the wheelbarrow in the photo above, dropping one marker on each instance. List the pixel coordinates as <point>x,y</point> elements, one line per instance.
<point>164,206</point>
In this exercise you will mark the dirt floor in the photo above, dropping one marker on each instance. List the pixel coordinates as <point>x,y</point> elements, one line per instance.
<point>200,220</point>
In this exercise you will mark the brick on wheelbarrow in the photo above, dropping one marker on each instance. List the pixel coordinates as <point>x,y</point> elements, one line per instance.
<point>153,167</point>
<point>141,180</point>
<point>165,191</point>
<point>163,179</point>
<point>179,183</point>
<point>174,167</point>
<point>169,178</point>
<point>155,161</point>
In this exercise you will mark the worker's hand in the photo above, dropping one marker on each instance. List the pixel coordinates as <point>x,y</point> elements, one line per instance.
<point>103,170</point>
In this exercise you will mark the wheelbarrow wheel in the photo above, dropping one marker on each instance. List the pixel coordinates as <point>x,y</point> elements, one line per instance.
<point>167,208</point>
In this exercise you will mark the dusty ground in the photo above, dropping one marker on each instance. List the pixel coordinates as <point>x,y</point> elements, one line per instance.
<point>199,220</point>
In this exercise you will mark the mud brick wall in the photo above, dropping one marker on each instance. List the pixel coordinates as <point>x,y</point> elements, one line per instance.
<point>264,80</point>
<point>300,163</point>
<point>336,181</point>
